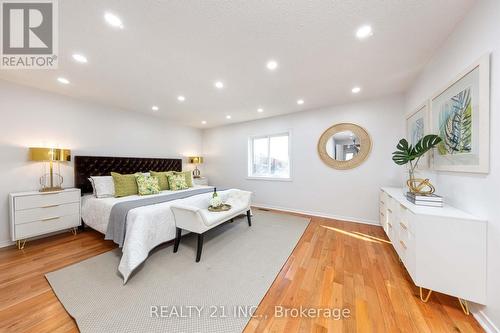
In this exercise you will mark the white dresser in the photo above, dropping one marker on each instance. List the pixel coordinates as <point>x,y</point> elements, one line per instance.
<point>37,213</point>
<point>443,249</point>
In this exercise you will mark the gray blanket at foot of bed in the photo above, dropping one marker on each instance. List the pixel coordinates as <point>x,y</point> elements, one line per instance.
<point>117,225</point>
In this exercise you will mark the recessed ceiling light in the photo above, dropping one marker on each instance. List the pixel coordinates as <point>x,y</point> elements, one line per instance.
<point>228,117</point>
<point>155,108</point>
<point>364,31</point>
<point>203,122</point>
<point>113,20</point>
<point>181,98</point>
<point>300,101</point>
<point>63,80</point>
<point>356,90</point>
<point>272,65</point>
<point>260,110</point>
<point>219,84</point>
<point>80,58</point>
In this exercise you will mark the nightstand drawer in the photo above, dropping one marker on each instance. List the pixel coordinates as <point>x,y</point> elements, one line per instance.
<point>200,181</point>
<point>47,225</point>
<point>46,199</point>
<point>35,214</point>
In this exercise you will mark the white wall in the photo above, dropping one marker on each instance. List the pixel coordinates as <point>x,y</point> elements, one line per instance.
<point>315,188</point>
<point>478,194</point>
<point>30,117</point>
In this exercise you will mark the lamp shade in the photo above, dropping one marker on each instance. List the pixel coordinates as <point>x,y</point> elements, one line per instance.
<point>195,159</point>
<point>50,154</point>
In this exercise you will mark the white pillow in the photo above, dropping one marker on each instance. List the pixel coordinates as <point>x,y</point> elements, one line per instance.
<point>104,187</point>
<point>93,187</point>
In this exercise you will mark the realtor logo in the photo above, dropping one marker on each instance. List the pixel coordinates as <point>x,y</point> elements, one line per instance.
<point>29,34</point>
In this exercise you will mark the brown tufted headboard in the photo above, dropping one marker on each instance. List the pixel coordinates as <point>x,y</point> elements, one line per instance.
<point>86,166</point>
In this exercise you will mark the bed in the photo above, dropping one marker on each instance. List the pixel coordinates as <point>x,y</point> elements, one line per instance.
<point>147,226</point>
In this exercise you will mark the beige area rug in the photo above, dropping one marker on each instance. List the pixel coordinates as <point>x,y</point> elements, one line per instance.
<point>170,292</point>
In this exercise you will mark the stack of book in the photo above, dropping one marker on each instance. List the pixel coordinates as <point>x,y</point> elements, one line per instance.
<point>431,200</point>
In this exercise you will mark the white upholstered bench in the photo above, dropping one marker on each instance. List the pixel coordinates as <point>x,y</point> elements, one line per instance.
<point>192,214</point>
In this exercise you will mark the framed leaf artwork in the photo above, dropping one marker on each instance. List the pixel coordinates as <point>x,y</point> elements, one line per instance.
<point>417,124</point>
<point>460,115</point>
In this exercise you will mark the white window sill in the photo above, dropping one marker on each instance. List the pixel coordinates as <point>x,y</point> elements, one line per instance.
<point>270,178</point>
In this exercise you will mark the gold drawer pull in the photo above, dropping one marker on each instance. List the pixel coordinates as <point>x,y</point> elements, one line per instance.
<point>51,218</point>
<point>403,225</point>
<point>49,206</point>
<point>382,202</point>
<point>390,225</point>
<point>403,244</point>
<point>382,214</point>
<point>389,210</point>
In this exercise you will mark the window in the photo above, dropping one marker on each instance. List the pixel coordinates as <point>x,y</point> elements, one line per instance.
<point>269,156</point>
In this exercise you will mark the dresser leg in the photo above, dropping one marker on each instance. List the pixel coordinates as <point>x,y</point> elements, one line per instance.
<point>20,244</point>
<point>74,230</point>
<point>464,305</point>
<point>422,295</point>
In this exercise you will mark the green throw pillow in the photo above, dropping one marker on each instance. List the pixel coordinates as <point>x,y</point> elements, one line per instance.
<point>147,185</point>
<point>177,182</point>
<point>187,177</point>
<point>124,184</point>
<point>162,178</point>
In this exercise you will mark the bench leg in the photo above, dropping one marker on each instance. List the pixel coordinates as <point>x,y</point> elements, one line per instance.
<point>200,247</point>
<point>249,218</point>
<point>177,239</point>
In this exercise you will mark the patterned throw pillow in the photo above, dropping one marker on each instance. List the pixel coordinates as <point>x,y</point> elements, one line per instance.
<point>177,182</point>
<point>147,185</point>
<point>162,178</point>
<point>188,177</point>
<point>125,185</point>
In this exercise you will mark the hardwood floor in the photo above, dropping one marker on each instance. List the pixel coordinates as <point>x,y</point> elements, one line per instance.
<point>335,265</point>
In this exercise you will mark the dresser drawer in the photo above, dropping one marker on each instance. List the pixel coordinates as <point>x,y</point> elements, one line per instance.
<point>383,220</point>
<point>40,227</point>
<point>406,250</point>
<point>391,226</point>
<point>383,199</point>
<point>46,199</point>
<point>406,219</point>
<point>36,214</point>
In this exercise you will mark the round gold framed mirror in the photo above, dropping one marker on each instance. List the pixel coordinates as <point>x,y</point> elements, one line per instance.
<point>344,146</point>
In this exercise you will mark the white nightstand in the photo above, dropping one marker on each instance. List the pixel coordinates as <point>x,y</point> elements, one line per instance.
<point>200,181</point>
<point>37,213</point>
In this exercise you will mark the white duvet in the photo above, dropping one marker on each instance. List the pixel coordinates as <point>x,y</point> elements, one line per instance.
<point>147,226</point>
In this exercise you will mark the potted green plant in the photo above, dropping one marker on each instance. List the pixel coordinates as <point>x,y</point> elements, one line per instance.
<point>408,154</point>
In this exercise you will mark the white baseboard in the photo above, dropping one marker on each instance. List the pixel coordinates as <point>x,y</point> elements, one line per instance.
<point>318,214</point>
<point>483,320</point>
<point>5,243</point>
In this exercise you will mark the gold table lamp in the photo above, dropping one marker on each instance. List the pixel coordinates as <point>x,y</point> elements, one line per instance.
<point>50,155</point>
<point>196,160</point>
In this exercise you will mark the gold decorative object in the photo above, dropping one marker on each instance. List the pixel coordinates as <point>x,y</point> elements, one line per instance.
<point>363,146</point>
<point>420,186</point>
<point>221,208</point>
<point>196,160</point>
<point>51,155</point>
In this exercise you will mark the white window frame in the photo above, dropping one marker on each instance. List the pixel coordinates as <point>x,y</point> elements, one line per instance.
<point>250,156</point>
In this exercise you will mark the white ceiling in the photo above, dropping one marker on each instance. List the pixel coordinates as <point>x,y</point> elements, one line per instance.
<point>170,48</point>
